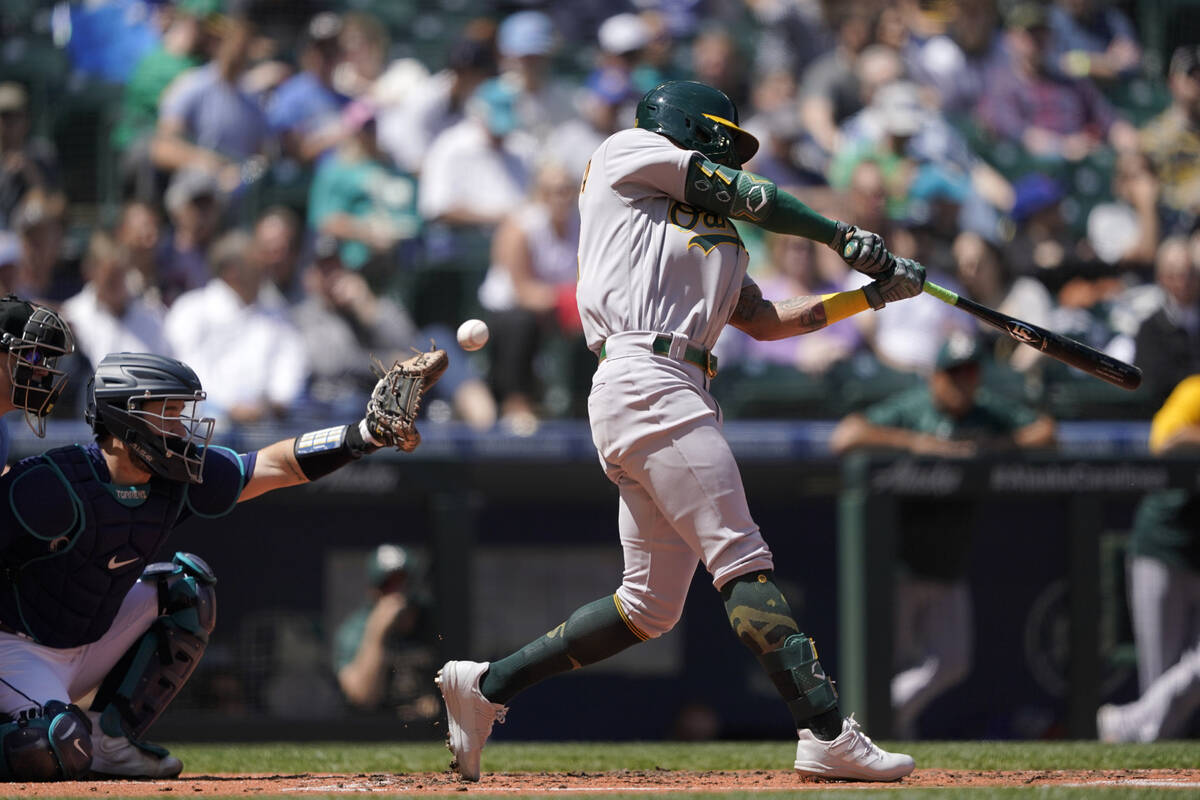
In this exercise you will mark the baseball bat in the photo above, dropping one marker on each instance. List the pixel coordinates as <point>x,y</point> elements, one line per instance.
<point>1055,345</point>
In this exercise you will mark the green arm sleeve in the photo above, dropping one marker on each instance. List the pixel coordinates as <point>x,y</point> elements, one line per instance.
<point>742,195</point>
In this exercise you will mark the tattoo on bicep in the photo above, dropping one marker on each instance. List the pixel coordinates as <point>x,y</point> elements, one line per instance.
<point>807,314</point>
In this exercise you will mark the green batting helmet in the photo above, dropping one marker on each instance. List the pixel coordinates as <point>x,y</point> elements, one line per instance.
<point>698,117</point>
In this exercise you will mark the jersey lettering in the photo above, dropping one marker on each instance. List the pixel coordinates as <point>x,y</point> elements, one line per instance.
<point>711,230</point>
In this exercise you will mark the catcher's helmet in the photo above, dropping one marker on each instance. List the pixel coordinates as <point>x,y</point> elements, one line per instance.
<point>151,402</point>
<point>34,337</point>
<point>698,117</point>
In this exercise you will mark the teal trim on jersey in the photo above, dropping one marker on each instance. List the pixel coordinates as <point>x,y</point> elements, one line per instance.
<point>76,503</point>
<point>237,459</point>
<point>77,507</point>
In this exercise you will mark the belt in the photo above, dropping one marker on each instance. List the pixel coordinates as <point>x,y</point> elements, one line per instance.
<point>701,357</point>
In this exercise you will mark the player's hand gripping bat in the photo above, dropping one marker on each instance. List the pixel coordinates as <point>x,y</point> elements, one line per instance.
<point>1055,345</point>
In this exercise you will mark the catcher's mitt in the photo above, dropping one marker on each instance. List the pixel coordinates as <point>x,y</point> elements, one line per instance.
<point>396,399</point>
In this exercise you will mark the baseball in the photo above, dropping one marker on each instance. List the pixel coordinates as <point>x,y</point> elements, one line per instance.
<point>473,334</point>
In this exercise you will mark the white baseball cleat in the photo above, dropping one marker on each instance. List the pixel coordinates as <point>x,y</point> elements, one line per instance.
<point>1113,725</point>
<point>117,756</point>
<point>468,713</point>
<point>851,756</point>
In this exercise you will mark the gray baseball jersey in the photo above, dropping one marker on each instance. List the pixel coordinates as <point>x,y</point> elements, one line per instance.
<point>647,261</point>
<point>651,264</point>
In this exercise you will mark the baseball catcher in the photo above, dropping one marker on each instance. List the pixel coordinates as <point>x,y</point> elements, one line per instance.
<point>81,608</point>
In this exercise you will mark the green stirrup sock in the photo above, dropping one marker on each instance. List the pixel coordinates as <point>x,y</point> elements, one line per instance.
<point>593,633</point>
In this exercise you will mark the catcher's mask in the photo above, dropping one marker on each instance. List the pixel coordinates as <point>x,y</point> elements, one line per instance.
<point>35,338</point>
<point>698,117</point>
<point>152,403</point>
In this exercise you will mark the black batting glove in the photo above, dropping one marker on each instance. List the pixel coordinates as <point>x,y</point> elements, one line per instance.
<point>906,280</point>
<point>862,250</point>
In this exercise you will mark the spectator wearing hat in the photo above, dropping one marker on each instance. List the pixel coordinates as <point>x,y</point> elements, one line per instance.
<point>526,41</point>
<point>208,121</point>
<point>305,111</point>
<point>384,651</point>
<point>952,416</point>
<point>25,163</point>
<point>1094,39</point>
<point>1043,246</point>
<point>1028,101</point>
<point>360,197</point>
<point>107,316</point>
<point>478,152</point>
<point>194,203</point>
<point>622,38</point>
<point>423,106</point>
<point>1172,141</point>
<point>344,324</point>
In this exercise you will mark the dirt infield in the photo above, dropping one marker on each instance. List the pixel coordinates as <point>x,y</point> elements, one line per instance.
<point>592,782</point>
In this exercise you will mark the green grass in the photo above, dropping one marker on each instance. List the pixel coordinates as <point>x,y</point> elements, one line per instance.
<point>595,756</point>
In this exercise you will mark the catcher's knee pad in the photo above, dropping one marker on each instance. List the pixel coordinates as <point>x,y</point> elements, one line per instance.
<point>50,745</point>
<point>651,614</point>
<point>799,677</point>
<point>137,690</point>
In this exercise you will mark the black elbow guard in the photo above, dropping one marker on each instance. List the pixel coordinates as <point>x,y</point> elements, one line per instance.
<point>732,193</point>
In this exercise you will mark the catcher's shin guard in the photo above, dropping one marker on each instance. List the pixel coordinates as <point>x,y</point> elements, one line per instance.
<point>799,677</point>
<point>52,744</point>
<point>137,690</point>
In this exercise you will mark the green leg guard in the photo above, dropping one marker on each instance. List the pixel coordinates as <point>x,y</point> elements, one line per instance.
<point>797,674</point>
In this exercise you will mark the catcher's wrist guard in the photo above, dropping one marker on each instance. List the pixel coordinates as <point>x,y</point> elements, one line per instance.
<point>321,452</point>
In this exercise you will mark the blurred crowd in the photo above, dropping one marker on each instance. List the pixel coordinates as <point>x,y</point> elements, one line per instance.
<point>278,192</point>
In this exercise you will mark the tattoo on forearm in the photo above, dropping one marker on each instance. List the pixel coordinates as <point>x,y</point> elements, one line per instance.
<point>293,469</point>
<point>807,314</point>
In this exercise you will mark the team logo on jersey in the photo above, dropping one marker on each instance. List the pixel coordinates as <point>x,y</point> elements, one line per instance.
<point>711,230</point>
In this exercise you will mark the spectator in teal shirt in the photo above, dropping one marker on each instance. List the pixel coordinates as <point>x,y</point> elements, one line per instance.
<point>358,196</point>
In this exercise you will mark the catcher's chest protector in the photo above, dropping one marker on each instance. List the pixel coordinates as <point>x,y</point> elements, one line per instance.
<point>84,548</point>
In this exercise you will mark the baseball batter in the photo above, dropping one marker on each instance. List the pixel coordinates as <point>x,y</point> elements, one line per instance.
<point>80,607</point>
<point>662,271</point>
